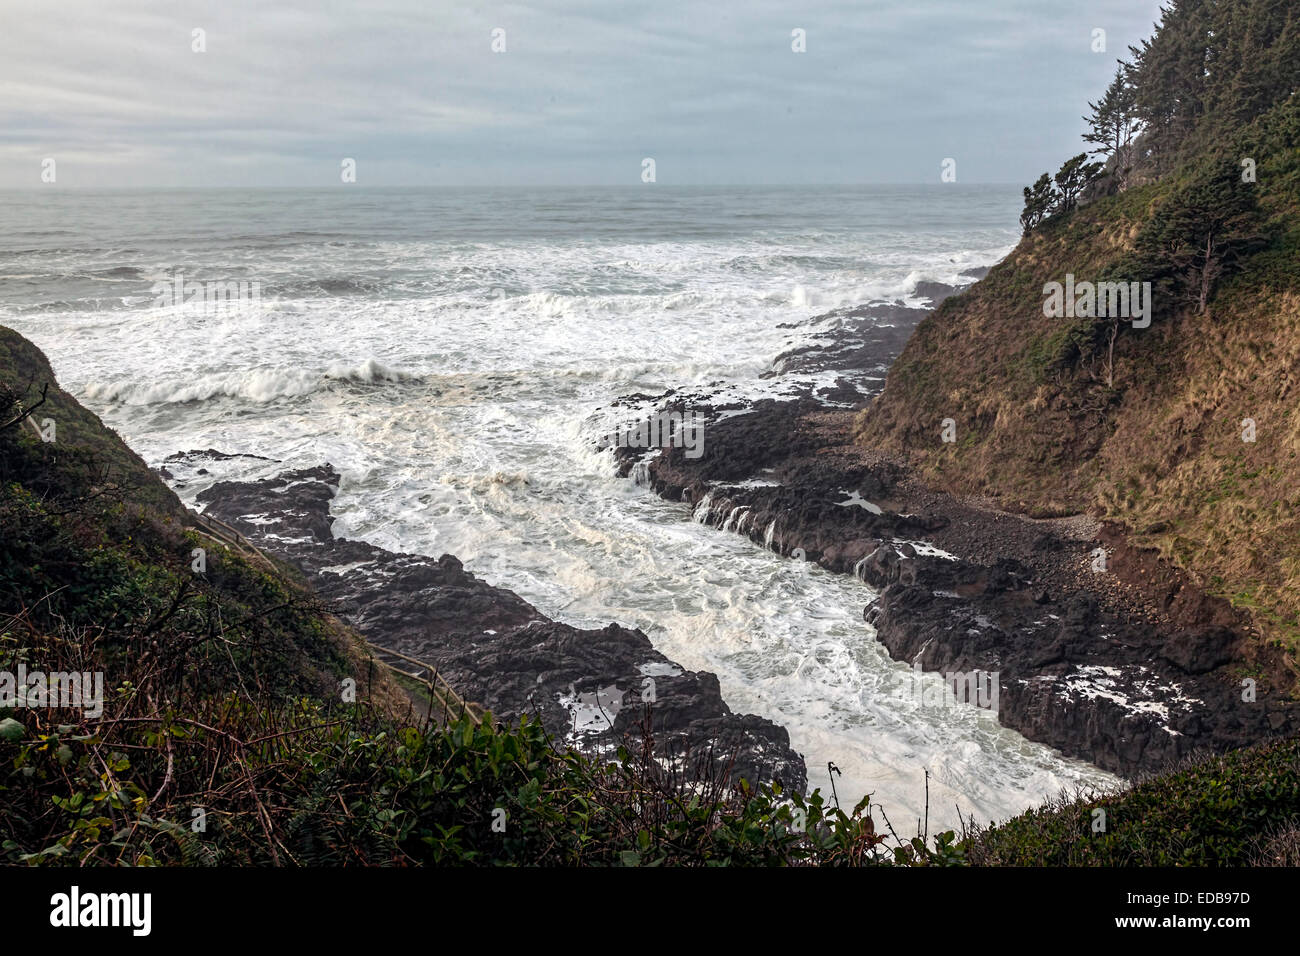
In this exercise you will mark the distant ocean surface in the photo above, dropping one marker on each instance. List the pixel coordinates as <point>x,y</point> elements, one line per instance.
<point>454,353</point>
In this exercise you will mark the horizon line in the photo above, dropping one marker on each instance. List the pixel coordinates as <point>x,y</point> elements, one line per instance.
<point>54,187</point>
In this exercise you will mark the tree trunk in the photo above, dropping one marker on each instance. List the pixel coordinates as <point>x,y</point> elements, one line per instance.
<point>1206,267</point>
<point>1110,355</point>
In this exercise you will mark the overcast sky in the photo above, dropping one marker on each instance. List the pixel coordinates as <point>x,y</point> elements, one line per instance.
<point>584,91</point>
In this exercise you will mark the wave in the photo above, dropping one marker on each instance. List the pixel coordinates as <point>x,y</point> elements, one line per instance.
<point>87,306</point>
<point>325,286</point>
<point>113,274</point>
<point>261,385</point>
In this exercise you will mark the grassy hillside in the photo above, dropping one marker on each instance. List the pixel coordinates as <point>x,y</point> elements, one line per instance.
<point>1240,809</point>
<point>26,373</point>
<point>1043,426</point>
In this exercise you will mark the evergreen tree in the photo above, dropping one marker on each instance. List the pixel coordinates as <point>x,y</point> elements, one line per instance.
<point>1039,200</point>
<point>1113,123</point>
<point>1172,69</point>
<point>1197,236</point>
<point>1072,178</point>
<point>1213,67</point>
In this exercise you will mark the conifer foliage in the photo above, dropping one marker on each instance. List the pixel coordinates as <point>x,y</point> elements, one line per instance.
<point>1211,68</point>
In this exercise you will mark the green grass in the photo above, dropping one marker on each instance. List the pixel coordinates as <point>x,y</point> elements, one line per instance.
<point>1224,811</point>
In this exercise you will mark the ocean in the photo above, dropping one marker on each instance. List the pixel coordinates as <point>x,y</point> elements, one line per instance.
<point>454,353</point>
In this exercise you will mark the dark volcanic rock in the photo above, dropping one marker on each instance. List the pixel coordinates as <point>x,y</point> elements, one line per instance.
<point>1078,679</point>
<point>935,292</point>
<point>862,340</point>
<point>1200,650</point>
<point>210,454</point>
<point>590,687</point>
<point>1132,669</point>
<point>1129,697</point>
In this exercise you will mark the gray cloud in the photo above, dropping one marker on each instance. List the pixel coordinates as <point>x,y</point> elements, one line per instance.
<point>413,92</point>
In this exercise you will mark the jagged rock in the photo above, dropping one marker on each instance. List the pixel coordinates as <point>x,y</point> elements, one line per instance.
<point>588,686</point>
<point>1123,692</point>
<point>1200,650</point>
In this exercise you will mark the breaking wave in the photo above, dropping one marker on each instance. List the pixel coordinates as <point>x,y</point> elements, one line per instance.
<point>260,385</point>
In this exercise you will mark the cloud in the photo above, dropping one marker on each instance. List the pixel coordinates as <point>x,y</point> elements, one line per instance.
<point>582,93</point>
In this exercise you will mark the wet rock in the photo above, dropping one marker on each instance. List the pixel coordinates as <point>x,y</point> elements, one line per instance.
<point>591,688</point>
<point>1081,667</point>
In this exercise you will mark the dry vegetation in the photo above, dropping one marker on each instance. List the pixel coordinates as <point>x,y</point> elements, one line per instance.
<point>1162,451</point>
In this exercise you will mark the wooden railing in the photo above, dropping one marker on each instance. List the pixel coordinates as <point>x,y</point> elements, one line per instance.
<point>222,533</point>
<point>442,696</point>
<point>440,692</point>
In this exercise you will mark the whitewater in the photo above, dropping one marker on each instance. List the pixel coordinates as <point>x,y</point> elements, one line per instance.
<point>456,354</point>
